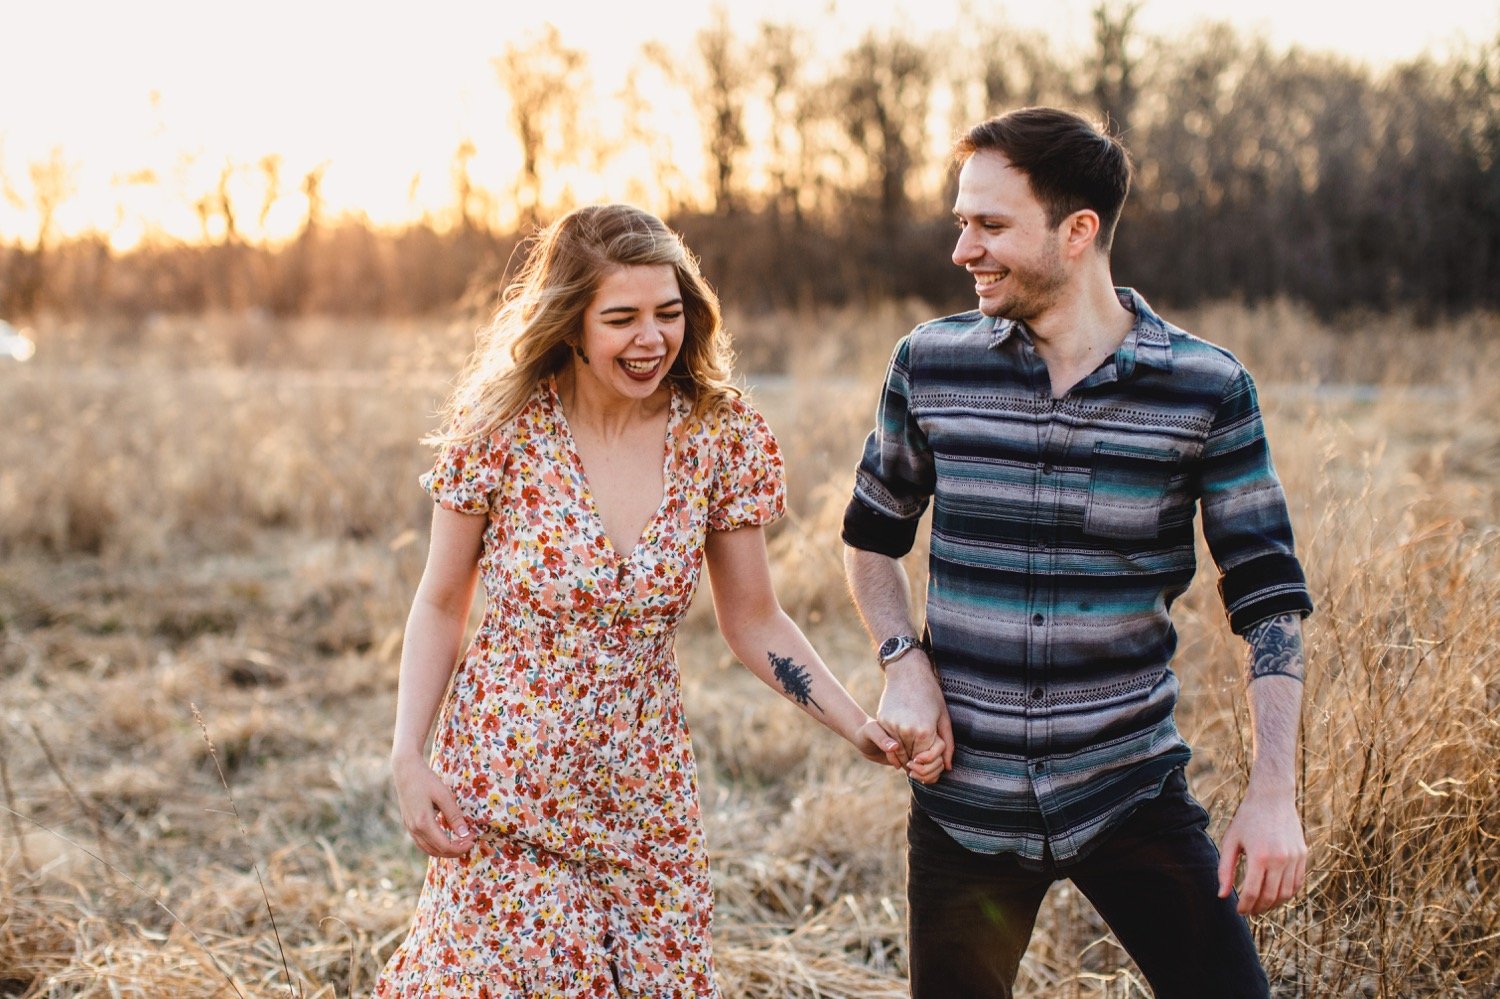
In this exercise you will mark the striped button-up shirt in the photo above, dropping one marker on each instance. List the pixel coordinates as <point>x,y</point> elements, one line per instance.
<point>1062,531</point>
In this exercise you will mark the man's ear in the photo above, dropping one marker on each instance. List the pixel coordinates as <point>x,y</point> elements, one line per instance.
<point>1079,231</point>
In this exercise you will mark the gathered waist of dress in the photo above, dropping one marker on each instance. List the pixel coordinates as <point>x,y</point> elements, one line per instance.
<point>649,641</point>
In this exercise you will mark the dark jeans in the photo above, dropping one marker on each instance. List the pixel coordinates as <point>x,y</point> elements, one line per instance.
<point>1154,879</point>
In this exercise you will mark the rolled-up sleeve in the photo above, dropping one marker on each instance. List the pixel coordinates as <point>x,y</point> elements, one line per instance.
<point>895,478</point>
<point>1245,519</point>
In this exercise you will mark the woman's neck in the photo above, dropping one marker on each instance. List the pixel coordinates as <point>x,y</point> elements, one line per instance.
<point>588,406</point>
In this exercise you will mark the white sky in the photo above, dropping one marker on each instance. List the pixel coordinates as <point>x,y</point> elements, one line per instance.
<point>383,92</point>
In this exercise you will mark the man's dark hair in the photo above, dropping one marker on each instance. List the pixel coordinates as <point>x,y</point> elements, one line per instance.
<point>1071,163</point>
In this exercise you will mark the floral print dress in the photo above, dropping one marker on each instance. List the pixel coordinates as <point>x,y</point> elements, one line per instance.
<point>562,734</point>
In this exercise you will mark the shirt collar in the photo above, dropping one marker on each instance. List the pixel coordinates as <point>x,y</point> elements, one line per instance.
<point>1147,344</point>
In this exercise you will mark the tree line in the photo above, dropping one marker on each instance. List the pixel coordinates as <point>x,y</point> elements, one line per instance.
<point>1261,173</point>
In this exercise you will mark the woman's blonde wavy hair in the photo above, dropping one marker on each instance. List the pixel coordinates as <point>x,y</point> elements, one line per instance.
<point>540,319</point>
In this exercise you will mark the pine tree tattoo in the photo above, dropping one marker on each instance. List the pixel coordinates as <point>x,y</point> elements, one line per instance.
<point>794,680</point>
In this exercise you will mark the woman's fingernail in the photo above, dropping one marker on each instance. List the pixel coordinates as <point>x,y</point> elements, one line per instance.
<point>463,831</point>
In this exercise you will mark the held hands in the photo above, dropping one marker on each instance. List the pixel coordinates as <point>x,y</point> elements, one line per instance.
<point>1267,831</point>
<point>913,711</point>
<point>879,746</point>
<point>429,810</point>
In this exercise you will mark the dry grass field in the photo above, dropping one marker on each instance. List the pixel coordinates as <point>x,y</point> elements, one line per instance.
<point>210,528</point>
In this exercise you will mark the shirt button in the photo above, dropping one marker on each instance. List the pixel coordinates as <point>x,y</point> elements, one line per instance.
<point>1037,619</point>
<point>1046,468</point>
<point>1036,694</point>
<point>1041,768</point>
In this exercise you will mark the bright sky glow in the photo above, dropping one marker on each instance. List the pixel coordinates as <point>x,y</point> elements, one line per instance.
<point>147,103</point>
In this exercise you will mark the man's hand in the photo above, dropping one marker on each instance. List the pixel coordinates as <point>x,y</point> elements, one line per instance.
<point>913,710</point>
<point>1267,831</point>
<point>1266,828</point>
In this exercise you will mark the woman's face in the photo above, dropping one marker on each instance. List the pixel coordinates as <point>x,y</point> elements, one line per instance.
<point>632,330</point>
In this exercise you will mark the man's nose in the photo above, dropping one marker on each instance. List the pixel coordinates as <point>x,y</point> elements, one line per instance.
<point>966,248</point>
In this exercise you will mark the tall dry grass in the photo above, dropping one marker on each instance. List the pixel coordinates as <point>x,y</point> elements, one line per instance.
<point>234,526</point>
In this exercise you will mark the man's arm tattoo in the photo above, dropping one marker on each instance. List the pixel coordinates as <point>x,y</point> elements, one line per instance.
<point>1276,647</point>
<point>794,680</point>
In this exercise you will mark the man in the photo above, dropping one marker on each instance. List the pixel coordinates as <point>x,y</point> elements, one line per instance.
<point>1065,435</point>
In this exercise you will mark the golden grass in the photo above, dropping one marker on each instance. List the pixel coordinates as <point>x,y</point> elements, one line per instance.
<point>224,515</point>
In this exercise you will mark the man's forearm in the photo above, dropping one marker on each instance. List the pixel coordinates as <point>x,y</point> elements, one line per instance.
<point>881,592</point>
<point>1275,672</point>
<point>911,705</point>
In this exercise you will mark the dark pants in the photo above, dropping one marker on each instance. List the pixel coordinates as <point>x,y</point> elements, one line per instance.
<point>1154,879</point>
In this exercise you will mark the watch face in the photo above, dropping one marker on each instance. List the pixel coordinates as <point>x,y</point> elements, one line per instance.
<point>889,647</point>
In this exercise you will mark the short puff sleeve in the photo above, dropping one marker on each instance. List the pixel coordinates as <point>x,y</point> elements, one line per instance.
<point>466,476</point>
<point>749,486</point>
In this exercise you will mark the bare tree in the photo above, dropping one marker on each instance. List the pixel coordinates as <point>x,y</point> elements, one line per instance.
<point>665,179</point>
<point>270,169</point>
<point>312,189</point>
<point>785,51</point>
<point>545,80</point>
<point>225,204</point>
<point>722,95</point>
<point>885,88</point>
<point>53,181</point>
<point>719,81</point>
<point>1114,64</point>
<point>464,193</point>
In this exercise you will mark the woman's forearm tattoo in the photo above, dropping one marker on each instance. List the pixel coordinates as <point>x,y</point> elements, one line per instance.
<point>1276,647</point>
<point>794,680</point>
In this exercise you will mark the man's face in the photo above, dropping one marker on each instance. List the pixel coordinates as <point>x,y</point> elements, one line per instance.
<point>1004,240</point>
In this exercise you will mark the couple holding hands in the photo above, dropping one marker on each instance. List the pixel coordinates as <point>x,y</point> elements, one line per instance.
<point>595,457</point>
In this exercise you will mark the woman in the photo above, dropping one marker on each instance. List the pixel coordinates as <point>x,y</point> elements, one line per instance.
<point>593,456</point>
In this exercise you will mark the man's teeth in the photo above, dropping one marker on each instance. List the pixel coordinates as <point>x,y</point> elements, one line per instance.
<point>640,367</point>
<point>985,280</point>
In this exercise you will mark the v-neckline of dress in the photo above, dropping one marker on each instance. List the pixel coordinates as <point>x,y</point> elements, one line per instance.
<point>585,489</point>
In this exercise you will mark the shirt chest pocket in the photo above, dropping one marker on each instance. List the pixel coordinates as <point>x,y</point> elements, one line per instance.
<point>1128,490</point>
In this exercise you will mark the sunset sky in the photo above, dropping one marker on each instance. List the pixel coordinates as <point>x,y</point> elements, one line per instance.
<point>144,104</point>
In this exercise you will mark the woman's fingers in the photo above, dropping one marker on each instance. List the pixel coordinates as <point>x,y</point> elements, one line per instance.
<point>432,814</point>
<point>929,763</point>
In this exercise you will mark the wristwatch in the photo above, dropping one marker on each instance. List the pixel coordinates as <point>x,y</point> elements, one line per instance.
<point>894,648</point>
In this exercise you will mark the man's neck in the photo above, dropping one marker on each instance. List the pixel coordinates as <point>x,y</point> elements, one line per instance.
<point>1084,327</point>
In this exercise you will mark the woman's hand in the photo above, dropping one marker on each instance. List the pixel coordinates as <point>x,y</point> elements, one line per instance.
<point>929,763</point>
<point>429,810</point>
<point>875,743</point>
